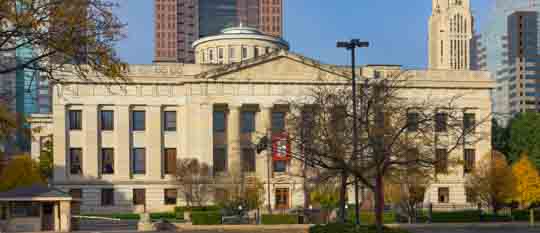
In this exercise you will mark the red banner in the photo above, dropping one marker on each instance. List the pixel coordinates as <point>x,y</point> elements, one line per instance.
<point>281,147</point>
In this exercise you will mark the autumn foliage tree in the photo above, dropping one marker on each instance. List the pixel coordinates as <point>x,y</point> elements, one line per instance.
<point>79,34</point>
<point>21,171</point>
<point>492,182</point>
<point>527,182</point>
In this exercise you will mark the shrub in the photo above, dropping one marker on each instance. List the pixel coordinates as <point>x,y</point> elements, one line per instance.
<point>523,215</point>
<point>268,219</point>
<point>206,217</point>
<point>349,228</point>
<point>164,215</point>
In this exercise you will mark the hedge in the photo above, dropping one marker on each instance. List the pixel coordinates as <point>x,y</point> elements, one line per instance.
<point>456,216</point>
<point>206,217</point>
<point>276,219</point>
<point>350,228</point>
<point>369,217</point>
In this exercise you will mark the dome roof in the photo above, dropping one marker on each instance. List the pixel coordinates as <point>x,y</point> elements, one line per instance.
<point>241,30</point>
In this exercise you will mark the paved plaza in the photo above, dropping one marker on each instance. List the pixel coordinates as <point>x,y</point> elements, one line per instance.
<point>472,228</point>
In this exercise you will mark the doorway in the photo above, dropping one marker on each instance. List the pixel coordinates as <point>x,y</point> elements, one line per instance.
<point>47,219</point>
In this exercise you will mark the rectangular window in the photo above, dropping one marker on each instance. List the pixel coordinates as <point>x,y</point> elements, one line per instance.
<point>139,196</point>
<point>412,121</point>
<point>444,195</point>
<point>231,52</point>
<point>219,121</point>
<point>170,161</point>
<point>75,119</point>
<point>25,209</point>
<point>247,122</point>
<point>280,166</point>
<point>170,196</point>
<point>278,122</point>
<point>282,198</point>
<point>244,52</point>
<point>169,123</point>
<point>138,120</point>
<point>76,193</point>
<point>220,53</point>
<point>442,161</point>
<point>107,161</point>
<point>139,161</point>
<point>107,197</point>
<point>469,122</point>
<point>3,211</point>
<point>248,160</point>
<point>441,122</point>
<point>470,160</point>
<point>255,52</point>
<point>75,161</point>
<point>220,160</point>
<point>107,120</point>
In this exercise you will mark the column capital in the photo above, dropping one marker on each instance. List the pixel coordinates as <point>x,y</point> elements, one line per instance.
<point>234,106</point>
<point>266,105</point>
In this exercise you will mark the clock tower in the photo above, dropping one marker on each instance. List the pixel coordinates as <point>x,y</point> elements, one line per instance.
<point>450,34</point>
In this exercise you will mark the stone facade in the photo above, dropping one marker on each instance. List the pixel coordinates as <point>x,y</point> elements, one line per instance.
<point>200,95</point>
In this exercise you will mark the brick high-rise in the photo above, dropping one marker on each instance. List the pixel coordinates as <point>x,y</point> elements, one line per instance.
<point>179,23</point>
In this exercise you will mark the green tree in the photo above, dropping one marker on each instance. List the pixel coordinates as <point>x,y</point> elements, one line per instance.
<point>20,171</point>
<point>46,160</point>
<point>524,137</point>
<point>500,139</point>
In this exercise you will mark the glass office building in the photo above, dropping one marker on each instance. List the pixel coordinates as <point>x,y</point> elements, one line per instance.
<point>510,45</point>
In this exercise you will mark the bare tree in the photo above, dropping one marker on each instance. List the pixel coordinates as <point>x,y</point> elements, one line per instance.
<point>391,125</point>
<point>196,181</point>
<point>406,187</point>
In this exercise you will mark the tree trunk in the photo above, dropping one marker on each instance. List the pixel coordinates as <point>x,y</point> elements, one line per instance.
<point>379,203</point>
<point>343,196</point>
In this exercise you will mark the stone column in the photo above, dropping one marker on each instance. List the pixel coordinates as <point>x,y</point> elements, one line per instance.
<point>233,139</point>
<point>154,145</point>
<point>182,132</point>
<point>206,132</point>
<point>65,216</point>
<point>263,125</point>
<point>91,155</point>
<point>60,143</point>
<point>56,214</point>
<point>123,142</point>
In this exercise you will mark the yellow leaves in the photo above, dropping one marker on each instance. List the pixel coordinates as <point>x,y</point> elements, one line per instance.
<point>492,181</point>
<point>21,171</point>
<point>527,181</point>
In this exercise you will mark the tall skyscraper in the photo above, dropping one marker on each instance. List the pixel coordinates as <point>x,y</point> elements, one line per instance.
<point>450,34</point>
<point>510,36</point>
<point>179,23</point>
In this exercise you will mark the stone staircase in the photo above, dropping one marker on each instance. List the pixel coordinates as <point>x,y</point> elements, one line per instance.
<point>106,225</point>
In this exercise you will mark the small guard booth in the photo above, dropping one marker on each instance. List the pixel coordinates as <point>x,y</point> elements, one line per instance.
<point>35,208</point>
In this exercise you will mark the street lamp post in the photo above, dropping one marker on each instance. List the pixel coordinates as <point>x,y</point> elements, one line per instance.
<point>352,45</point>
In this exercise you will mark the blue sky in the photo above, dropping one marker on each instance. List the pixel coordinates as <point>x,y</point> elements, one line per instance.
<point>396,29</point>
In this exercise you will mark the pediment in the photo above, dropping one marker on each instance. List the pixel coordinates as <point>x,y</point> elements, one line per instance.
<point>277,67</point>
